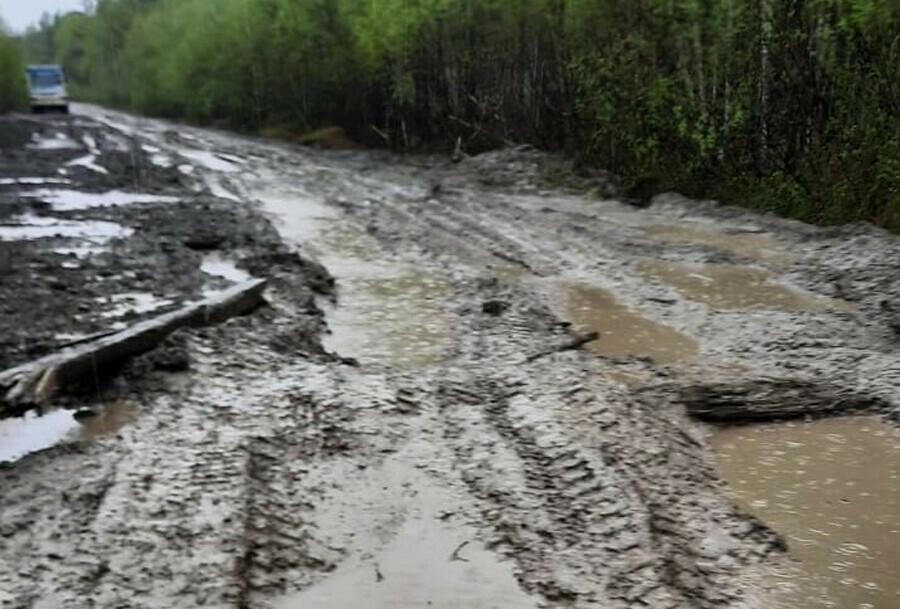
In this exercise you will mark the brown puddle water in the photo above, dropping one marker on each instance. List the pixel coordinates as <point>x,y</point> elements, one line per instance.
<point>728,286</point>
<point>21,436</point>
<point>747,245</point>
<point>389,314</point>
<point>422,556</point>
<point>110,419</point>
<point>388,310</point>
<point>419,569</point>
<point>832,488</point>
<point>622,331</point>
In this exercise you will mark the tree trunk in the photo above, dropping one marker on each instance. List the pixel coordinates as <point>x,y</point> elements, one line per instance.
<point>36,382</point>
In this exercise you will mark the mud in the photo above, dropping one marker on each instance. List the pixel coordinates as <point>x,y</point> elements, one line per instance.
<point>409,447</point>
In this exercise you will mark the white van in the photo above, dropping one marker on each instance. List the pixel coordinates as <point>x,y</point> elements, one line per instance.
<point>47,88</point>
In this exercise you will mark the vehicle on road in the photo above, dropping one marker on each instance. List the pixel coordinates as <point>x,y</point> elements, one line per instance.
<point>47,88</point>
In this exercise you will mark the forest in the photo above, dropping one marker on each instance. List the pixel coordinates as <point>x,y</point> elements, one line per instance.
<point>789,106</point>
<point>12,84</point>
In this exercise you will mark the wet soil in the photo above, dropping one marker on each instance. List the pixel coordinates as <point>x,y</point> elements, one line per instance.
<point>410,450</point>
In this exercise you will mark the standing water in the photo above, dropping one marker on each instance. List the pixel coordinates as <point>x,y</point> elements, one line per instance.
<point>388,311</point>
<point>832,488</point>
<point>623,332</point>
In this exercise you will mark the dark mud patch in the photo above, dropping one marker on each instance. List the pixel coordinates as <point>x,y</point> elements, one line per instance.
<point>89,154</point>
<point>64,282</point>
<point>15,133</point>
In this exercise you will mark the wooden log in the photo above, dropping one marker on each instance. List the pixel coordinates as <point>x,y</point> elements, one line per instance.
<point>757,400</point>
<point>576,343</point>
<point>35,382</point>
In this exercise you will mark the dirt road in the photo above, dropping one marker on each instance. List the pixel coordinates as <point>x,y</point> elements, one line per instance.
<point>411,434</point>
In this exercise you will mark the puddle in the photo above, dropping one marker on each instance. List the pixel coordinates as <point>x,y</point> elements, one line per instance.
<point>832,488</point>
<point>209,160</point>
<point>32,181</point>
<point>88,161</point>
<point>68,200</point>
<point>112,123</point>
<point>216,264</point>
<point>161,160</point>
<point>91,144</point>
<point>117,143</point>
<point>301,218</point>
<point>416,570</point>
<point>728,286</point>
<point>622,331</point>
<point>60,141</point>
<point>218,189</point>
<point>21,436</point>
<point>111,418</point>
<point>747,245</point>
<point>132,302</point>
<point>157,157</point>
<point>388,314</point>
<point>424,561</point>
<point>30,227</point>
<point>388,311</point>
<point>81,251</point>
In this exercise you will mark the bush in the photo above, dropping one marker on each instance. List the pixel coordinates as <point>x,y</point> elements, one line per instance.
<point>12,75</point>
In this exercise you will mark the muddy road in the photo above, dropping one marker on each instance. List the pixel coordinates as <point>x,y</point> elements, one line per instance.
<point>400,425</point>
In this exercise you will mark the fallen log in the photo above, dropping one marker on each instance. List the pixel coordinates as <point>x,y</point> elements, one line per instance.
<point>576,343</point>
<point>34,383</point>
<point>758,400</point>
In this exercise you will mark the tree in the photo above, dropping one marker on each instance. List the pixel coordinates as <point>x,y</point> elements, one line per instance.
<point>12,72</point>
<point>785,105</point>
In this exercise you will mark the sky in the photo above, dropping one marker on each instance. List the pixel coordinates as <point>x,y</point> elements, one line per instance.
<point>19,14</point>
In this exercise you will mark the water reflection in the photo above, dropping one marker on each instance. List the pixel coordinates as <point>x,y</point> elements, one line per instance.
<point>21,436</point>
<point>388,310</point>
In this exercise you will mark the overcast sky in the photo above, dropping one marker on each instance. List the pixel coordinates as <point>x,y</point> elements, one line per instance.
<point>19,14</point>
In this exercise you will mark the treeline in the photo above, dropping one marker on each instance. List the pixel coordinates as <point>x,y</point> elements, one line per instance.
<point>785,105</point>
<point>12,73</point>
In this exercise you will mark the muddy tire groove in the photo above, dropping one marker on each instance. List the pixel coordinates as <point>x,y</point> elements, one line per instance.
<point>581,511</point>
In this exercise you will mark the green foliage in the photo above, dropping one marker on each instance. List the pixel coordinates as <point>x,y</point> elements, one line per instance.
<point>12,74</point>
<point>786,105</point>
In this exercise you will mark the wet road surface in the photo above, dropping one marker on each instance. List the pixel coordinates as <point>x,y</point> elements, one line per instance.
<point>447,467</point>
